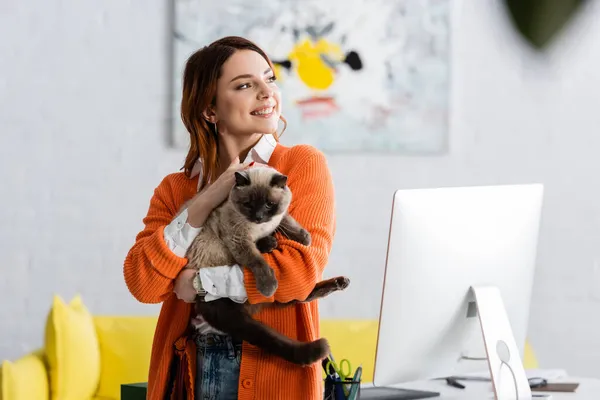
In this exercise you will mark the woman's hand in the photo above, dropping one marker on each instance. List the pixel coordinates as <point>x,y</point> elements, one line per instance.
<point>183,288</point>
<point>213,195</point>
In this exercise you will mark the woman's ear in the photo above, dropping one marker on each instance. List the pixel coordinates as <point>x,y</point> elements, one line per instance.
<point>209,115</point>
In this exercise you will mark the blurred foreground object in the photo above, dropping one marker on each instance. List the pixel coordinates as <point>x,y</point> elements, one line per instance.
<point>539,21</point>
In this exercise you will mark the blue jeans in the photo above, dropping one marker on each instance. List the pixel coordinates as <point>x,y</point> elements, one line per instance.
<point>217,367</point>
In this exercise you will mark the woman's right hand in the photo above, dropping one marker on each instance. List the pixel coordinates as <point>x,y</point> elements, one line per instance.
<point>213,195</point>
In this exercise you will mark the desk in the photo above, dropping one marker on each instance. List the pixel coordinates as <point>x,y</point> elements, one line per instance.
<point>589,389</point>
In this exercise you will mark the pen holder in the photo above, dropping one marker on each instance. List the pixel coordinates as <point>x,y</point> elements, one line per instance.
<point>341,390</point>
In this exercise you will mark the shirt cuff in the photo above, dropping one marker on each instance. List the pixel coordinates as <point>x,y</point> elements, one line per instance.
<point>223,281</point>
<point>179,234</point>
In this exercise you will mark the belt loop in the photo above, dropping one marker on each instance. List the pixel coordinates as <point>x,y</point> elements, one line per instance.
<point>230,348</point>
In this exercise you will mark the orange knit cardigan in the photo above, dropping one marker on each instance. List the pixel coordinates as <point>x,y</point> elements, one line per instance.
<point>150,269</point>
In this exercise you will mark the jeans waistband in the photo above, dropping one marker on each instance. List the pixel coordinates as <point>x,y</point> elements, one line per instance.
<point>212,342</point>
<point>215,340</point>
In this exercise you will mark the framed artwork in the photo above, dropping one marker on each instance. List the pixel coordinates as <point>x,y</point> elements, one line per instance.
<point>355,75</point>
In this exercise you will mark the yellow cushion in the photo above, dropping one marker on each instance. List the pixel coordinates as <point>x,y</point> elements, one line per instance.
<point>72,351</point>
<point>356,340</point>
<point>24,379</point>
<point>125,346</point>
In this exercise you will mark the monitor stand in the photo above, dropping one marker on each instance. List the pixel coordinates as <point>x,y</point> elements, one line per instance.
<point>507,373</point>
<point>509,380</point>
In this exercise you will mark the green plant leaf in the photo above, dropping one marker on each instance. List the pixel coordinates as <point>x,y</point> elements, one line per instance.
<point>539,21</point>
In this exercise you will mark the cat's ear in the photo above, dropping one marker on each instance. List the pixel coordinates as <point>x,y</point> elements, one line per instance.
<point>241,179</point>
<point>279,180</point>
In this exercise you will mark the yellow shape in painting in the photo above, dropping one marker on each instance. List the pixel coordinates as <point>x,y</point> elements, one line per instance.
<point>311,69</point>
<point>277,71</point>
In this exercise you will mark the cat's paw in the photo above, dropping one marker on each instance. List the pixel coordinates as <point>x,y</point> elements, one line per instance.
<point>341,282</point>
<point>266,244</point>
<point>304,237</point>
<point>326,287</point>
<point>266,283</point>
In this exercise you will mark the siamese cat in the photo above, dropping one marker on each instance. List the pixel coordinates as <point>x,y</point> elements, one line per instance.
<point>238,232</point>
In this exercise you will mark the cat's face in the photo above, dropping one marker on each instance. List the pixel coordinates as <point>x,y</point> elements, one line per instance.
<point>260,194</point>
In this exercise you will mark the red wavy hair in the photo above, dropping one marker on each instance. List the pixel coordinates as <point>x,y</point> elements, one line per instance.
<point>200,76</point>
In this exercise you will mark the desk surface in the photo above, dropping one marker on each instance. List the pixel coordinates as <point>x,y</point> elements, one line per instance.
<point>589,389</point>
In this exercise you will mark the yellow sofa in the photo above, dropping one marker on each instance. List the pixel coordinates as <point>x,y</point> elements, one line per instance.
<point>88,357</point>
<point>84,357</point>
<point>356,340</point>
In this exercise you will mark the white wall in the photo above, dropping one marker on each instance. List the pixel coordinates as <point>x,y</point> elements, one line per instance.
<point>83,112</point>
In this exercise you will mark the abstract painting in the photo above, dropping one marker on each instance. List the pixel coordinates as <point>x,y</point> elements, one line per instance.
<point>355,75</point>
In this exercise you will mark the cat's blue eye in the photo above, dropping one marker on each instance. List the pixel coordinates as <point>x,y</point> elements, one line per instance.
<point>269,204</point>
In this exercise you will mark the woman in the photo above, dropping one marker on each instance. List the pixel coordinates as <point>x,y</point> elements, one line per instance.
<point>231,107</point>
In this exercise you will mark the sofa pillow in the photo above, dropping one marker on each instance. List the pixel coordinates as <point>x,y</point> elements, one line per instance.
<point>25,378</point>
<point>72,351</point>
<point>125,347</point>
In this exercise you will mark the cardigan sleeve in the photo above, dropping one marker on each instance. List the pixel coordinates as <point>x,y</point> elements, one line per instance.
<point>297,267</point>
<point>151,265</point>
<point>179,234</point>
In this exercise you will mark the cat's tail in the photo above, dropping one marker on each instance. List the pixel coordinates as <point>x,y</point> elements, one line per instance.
<point>233,319</point>
<point>266,338</point>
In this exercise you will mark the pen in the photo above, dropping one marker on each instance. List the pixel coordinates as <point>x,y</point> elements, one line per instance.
<point>356,383</point>
<point>330,386</point>
<point>454,383</point>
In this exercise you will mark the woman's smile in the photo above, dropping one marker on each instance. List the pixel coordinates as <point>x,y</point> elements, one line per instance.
<point>264,112</point>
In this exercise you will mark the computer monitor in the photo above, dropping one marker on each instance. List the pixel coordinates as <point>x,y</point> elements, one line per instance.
<point>457,285</point>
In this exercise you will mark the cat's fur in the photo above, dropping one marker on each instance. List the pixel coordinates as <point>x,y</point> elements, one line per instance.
<point>237,232</point>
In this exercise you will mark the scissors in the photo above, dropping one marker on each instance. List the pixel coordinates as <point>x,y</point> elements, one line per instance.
<point>339,369</point>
